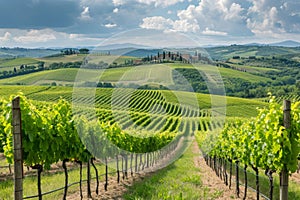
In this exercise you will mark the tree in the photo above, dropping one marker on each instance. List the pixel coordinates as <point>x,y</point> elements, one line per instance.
<point>180,58</point>
<point>84,51</point>
<point>41,65</point>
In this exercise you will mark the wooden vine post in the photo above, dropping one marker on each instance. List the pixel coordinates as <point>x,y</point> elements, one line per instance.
<point>284,175</point>
<point>18,160</point>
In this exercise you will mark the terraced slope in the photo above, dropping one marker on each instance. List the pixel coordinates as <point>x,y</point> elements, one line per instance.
<point>144,110</point>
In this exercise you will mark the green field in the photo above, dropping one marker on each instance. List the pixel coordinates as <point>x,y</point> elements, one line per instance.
<point>156,74</point>
<point>227,52</point>
<point>17,62</point>
<point>224,72</point>
<point>9,64</point>
<point>151,73</point>
<point>252,69</point>
<point>95,58</point>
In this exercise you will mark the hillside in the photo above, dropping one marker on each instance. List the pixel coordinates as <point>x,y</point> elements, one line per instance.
<point>24,52</point>
<point>225,52</point>
<point>235,107</point>
<point>245,72</point>
<point>144,97</point>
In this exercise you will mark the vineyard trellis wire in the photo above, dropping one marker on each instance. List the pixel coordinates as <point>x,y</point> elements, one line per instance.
<point>262,143</point>
<point>149,162</point>
<point>224,169</point>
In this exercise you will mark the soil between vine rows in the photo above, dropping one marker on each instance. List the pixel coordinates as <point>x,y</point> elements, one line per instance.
<point>207,176</point>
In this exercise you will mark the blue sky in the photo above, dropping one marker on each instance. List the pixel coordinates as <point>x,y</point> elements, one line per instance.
<point>72,23</point>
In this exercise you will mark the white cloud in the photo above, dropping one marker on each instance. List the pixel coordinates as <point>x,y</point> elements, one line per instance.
<point>186,26</point>
<point>44,35</point>
<point>74,36</point>
<point>85,15</point>
<point>110,25</point>
<point>190,13</point>
<point>225,16</point>
<point>218,10</point>
<point>265,19</point>
<point>116,10</point>
<point>236,19</point>
<point>6,37</point>
<point>161,23</point>
<point>207,31</point>
<point>157,23</point>
<point>157,3</point>
<point>118,2</point>
<point>234,12</point>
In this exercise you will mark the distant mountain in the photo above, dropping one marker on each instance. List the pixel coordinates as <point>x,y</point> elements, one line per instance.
<point>144,52</point>
<point>255,44</point>
<point>24,52</point>
<point>120,46</point>
<point>226,52</point>
<point>133,52</point>
<point>287,43</point>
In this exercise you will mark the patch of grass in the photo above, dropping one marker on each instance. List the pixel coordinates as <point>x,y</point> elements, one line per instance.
<point>254,69</point>
<point>64,75</point>
<point>228,73</point>
<point>294,190</point>
<point>48,182</point>
<point>18,62</point>
<point>63,59</point>
<point>148,73</point>
<point>180,180</point>
<point>94,58</point>
<point>223,72</point>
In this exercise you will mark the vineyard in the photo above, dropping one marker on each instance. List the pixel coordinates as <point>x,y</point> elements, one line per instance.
<point>268,143</point>
<point>121,129</point>
<point>52,134</point>
<point>123,116</point>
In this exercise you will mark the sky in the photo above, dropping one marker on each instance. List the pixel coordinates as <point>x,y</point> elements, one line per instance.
<point>78,23</point>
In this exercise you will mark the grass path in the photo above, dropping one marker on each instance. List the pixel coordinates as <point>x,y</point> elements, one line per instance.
<point>187,178</point>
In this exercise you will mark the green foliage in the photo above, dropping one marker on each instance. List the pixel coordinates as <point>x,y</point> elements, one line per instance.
<point>50,134</point>
<point>6,129</point>
<point>261,142</point>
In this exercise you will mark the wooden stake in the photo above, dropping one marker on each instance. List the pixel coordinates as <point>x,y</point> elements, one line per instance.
<point>18,160</point>
<point>284,175</point>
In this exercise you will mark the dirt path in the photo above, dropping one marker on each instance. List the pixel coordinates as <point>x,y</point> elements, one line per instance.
<point>213,184</point>
<point>114,191</point>
<point>211,181</point>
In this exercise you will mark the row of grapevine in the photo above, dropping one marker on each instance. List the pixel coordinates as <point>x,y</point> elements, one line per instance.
<point>136,100</point>
<point>154,122</point>
<point>146,107</point>
<point>292,97</point>
<point>261,143</point>
<point>51,134</point>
